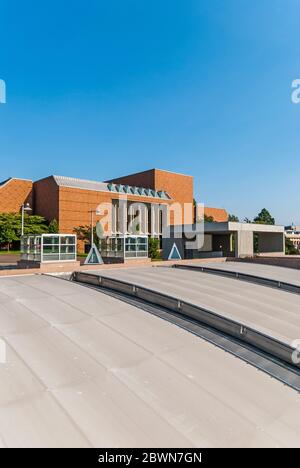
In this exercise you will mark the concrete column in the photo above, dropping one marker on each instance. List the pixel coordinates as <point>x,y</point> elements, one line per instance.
<point>244,244</point>
<point>154,219</point>
<point>144,218</point>
<point>114,218</point>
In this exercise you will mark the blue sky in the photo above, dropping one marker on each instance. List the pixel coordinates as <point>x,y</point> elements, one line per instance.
<point>99,89</point>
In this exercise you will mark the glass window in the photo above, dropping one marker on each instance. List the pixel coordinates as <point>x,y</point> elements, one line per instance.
<point>67,240</point>
<point>67,249</point>
<point>50,249</point>
<point>49,240</point>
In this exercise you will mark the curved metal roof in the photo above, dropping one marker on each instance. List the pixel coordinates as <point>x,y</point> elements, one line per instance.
<point>85,369</point>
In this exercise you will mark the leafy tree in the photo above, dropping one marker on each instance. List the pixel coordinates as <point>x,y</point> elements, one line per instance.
<point>233,218</point>
<point>34,225</point>
<point>290,249</point>
<point>153,248</point>
<point>247,220</point>
<point>208,219</point>
<point>8,231</point>
<point>83,233</point>
<point>53,227</point>
<point>11,226</point>
<point>264,217</point>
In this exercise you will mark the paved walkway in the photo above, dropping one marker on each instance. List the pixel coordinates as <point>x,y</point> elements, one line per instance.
<point>9,260</point>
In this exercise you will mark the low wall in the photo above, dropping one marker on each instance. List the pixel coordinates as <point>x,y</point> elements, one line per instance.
<point>287,261</point>
<point>70,267</point>
<point>170,263</point>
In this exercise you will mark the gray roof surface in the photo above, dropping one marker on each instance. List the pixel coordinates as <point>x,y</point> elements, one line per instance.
<point>268,310</point>
<point>80,183</point>
<point>84,369</point>
<point>63,181</point>
<point>288,275</point>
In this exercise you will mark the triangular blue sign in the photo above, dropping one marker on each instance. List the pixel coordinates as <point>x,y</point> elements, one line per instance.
<point>174,254</point>
<point>94,257</point>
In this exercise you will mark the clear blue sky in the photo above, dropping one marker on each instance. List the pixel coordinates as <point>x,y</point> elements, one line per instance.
<point>99,89</point>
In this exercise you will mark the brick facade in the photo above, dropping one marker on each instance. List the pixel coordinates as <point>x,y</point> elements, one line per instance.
<point>13,193</point>
<point>218,214</point>
<point>75,205</point>
<point>179,187</point>
<point>71,206</point>
<point>46,198</point>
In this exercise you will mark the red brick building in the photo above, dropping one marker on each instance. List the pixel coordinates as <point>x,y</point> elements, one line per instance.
<point>70,200</point>
<point>13,193</point>
<point>219,215</point>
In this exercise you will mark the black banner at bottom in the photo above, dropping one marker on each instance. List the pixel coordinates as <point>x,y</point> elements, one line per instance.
<point>146,457</point>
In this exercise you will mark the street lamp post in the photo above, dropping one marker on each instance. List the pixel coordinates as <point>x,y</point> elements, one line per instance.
<point>24,208</point>
<point>92,228</point>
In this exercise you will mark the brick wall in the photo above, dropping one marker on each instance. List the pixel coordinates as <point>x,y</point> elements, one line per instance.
<point>13,194</point>
<point>219,214</point>
<point>75,205</point>
<point>46,198</point>
<point>180,187</point>
<point>140,179</point>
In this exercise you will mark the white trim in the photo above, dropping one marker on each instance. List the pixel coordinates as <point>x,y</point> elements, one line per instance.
<point>6,182</point>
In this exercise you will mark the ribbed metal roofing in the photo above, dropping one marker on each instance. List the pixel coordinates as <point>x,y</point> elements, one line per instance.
<point>84,184</point>
<point>63,181</point>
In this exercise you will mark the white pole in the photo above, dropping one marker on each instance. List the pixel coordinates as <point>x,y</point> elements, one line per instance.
<point>92,228</point>
<point>22,221</point>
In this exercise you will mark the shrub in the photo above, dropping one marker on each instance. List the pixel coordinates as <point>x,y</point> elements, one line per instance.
<point>153,248</point>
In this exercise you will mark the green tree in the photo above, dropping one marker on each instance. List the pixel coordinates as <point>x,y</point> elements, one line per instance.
<point>233,218</point>
<point>53,227</point>
<point>290,249</point>
<point>11,226</point>
<point>208,219</point>
<point>34,225</point>
<point>8,230</point>
<point>83,233</point>
<point>153,248</point>
<point>264,217</point>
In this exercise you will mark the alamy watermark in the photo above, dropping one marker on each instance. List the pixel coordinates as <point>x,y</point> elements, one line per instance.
<point>295,96</point>
<point>2,92</point>
<point>166,220</point>
<point>2,351</point>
